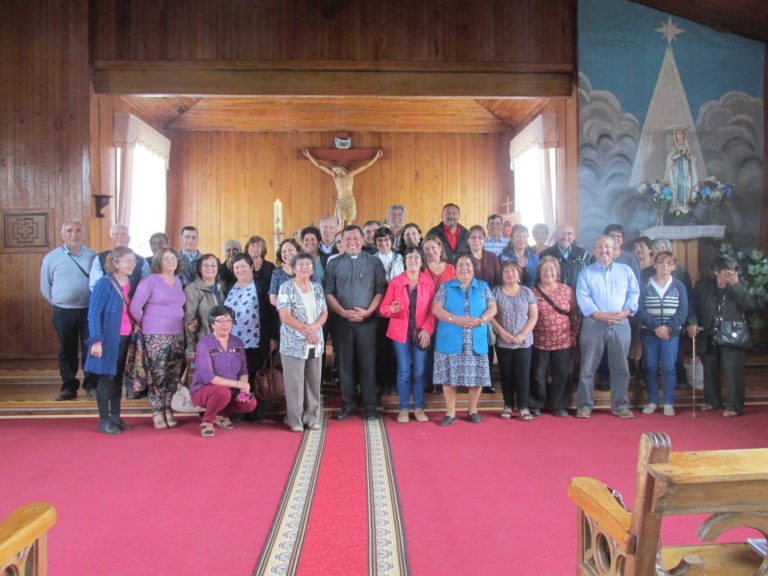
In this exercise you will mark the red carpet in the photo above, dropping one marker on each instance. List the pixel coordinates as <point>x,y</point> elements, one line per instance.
<point>337,535</point>
<point>477,499</point>
<point>491,498</point>
<point>148,502</point>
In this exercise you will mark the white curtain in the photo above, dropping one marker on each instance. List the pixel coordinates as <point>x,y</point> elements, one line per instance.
<point>143,165</point>
<point>539,138</point>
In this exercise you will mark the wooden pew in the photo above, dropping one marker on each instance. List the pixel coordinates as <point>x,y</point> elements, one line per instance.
<point>731,485</point>
<point>24,540</point>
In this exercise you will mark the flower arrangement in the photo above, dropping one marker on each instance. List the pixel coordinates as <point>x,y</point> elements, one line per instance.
<point>754,265</point>
<point>713,193</point>
<point>659,194</point>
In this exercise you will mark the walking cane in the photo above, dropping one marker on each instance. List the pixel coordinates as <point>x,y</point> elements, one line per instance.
<point>693,377</point>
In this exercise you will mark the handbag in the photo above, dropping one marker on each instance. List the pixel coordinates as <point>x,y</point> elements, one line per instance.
<point>182,398</point>
<point>137,376</point>
<point>730,333</point>
<point>269,378</point>
<point>733,334</point>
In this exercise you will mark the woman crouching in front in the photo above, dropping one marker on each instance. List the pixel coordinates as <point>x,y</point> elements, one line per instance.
<point>220,384</point>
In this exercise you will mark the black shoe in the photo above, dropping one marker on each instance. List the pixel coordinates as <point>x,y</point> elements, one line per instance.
<point>447,420</point>
<point>603,387</point>
<point>474,418</point>
<point>489,390</point>
<point>343,415</point>
<point>121,424</point>
<point>535,411</point>
<point>66,395</point>
<point>372,415</point>
<point>107,426</point>
<point>438,389</point>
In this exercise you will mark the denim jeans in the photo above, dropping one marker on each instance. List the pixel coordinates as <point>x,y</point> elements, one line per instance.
<point>660,352</point>
<point>405,352</point>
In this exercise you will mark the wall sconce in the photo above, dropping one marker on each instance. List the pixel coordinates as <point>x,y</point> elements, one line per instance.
<point>102,201</point>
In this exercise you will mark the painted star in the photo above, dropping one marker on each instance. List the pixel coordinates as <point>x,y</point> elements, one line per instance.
<point>669,30</point>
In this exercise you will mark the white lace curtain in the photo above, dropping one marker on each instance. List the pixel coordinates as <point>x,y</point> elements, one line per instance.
<point>129,132</point>
<point>541,134</point>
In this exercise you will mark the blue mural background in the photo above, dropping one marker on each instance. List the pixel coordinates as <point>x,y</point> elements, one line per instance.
<point>620,57</point>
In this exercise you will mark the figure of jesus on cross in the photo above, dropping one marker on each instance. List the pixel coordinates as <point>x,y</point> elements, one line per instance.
<point>343,179</point>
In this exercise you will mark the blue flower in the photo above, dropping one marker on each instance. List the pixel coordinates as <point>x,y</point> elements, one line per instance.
<point>706,192</point>
<point>728,191</point>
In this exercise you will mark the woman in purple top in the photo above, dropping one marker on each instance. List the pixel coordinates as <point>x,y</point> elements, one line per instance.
<point>158,307</point>
<point>220,384</point>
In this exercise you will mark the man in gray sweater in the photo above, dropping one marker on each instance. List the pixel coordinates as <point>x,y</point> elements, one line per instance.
<point>64,283</point>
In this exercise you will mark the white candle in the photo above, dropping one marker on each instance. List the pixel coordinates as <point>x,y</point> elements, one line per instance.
<point>278,223</point>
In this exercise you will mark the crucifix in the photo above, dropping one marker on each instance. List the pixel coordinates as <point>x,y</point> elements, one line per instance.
<point>343,178</point>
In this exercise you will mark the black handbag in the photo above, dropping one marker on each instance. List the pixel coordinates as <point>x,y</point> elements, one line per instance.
<point>733,334</point>
<point>730,333</point>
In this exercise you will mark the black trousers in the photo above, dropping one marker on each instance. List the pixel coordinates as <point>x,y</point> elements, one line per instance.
<point>110,387</point>
<point>355,344</point>
<point>71,326</point>
<point>515,372</point>
<point>556,363</point>
<point>730,363</point>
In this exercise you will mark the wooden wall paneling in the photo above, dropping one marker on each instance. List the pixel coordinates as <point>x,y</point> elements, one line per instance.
<point>44,135</point>
<point>225,183</point>
<point>368,30</point>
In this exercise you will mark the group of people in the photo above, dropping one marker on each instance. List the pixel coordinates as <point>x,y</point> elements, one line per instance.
<point>400,307</point>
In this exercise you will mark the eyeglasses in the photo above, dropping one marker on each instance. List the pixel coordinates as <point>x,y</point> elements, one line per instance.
<point>303,264</point>
<point>170,259</point>
<point>223,320</point>
<point>464,265</point>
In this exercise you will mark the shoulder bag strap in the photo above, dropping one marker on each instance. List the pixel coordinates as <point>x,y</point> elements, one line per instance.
<point>555,307</point>
<point>87,275</point>
<point>116,286</point>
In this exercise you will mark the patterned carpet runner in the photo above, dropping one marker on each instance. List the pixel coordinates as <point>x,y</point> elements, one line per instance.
<point>386,540</point>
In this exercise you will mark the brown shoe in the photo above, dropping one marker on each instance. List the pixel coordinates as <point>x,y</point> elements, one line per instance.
<point>420,415</point>
<point>403,416</point>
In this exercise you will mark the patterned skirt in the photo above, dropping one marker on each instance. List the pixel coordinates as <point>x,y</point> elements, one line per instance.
<point>464,369</point>
<point>165,353</point>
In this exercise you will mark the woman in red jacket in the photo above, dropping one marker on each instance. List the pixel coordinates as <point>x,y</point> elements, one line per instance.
<point>408,303</point>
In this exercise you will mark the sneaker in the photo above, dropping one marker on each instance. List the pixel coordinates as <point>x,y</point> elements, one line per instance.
<point>583,413</point>
<point>669,410</point>
<point>403,416</point>
<point>420,415</point>
<point>626,413</point>
<point>561,413</point>
<point>650,409</point>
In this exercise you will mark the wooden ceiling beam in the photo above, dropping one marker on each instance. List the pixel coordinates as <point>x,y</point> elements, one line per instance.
<point>332,79</point>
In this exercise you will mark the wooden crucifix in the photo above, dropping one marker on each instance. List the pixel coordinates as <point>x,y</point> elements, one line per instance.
<point>343,178</point>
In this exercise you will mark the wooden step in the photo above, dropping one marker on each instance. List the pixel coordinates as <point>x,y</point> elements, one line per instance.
<point>28,388</point>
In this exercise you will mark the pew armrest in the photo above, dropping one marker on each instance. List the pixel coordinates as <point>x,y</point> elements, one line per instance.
<point>595,500</point>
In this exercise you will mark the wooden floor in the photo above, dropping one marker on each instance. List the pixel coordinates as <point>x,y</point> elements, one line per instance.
<point>28,389</point>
